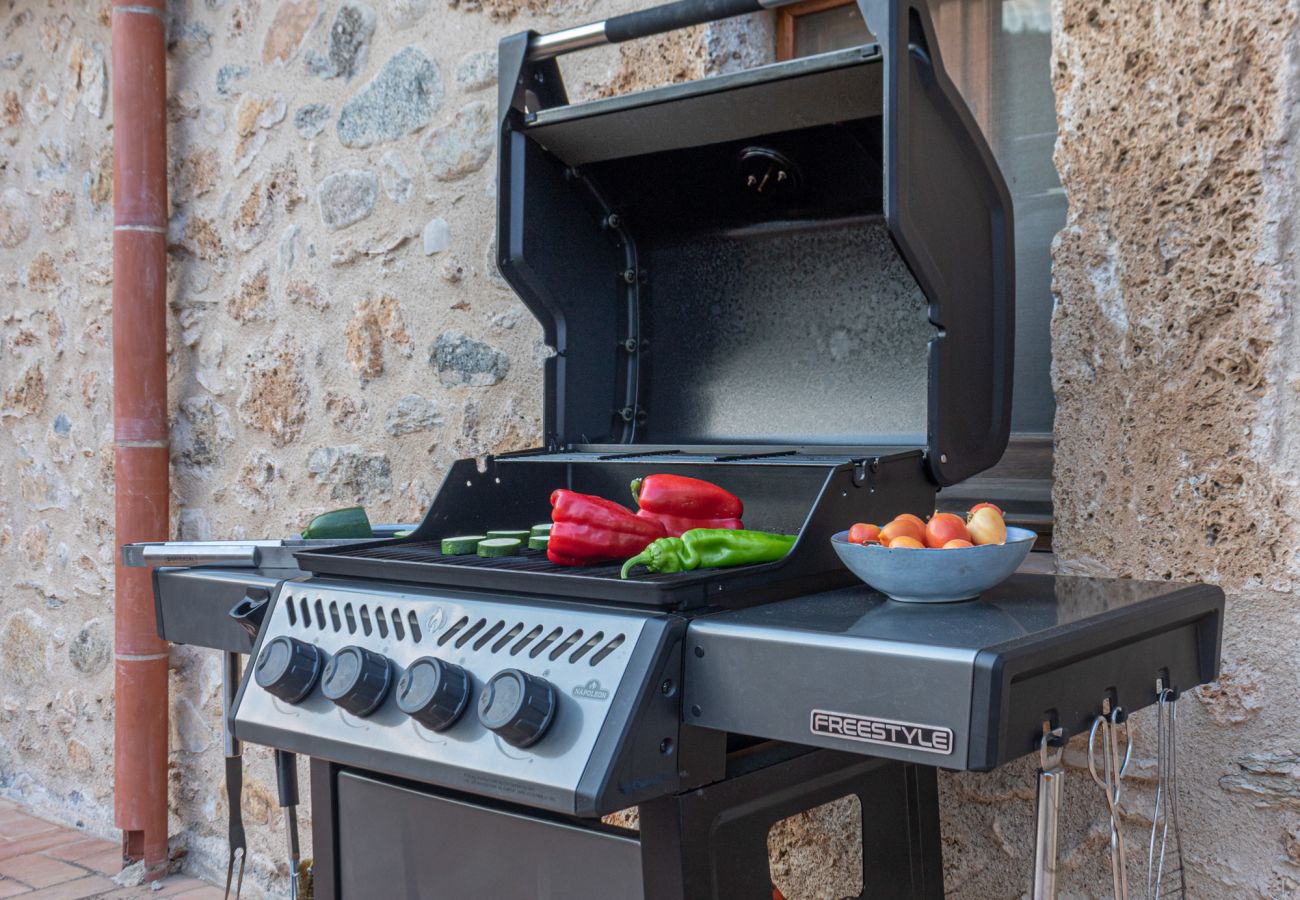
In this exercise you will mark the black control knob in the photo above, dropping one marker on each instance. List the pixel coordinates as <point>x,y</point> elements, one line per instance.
<point>517,706</point>
<point>357,679</point>
<point>288,668</point>
<point>433,692</point>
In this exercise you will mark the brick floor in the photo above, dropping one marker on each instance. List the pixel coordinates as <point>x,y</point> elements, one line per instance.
<point>41,860</point>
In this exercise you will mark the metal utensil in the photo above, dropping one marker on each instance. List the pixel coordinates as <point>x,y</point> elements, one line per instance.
<point>1166,880</point>
<point>1051,779</point>
<point>230,675</point>
<point>286,783</point>
<point>1108,723</point>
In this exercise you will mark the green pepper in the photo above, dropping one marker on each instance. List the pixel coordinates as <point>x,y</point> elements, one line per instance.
<point>711,548</point>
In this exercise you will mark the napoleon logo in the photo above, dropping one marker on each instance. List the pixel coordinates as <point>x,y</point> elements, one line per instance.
<point>926,738</point>
<point>591,691</point>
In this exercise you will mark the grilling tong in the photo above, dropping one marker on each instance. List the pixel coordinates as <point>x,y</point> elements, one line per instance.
<point>1165,875</point>
<point>286,782</point>
<point>230,674</point>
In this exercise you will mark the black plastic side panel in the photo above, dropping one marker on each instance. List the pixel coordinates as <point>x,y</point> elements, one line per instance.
<point>950,213</point>
<point>1063,678</point>
<point>192,606</point>
<point>640,736</point>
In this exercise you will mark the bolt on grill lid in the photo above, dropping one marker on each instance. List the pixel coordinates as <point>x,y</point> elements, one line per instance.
<point>818,251</point>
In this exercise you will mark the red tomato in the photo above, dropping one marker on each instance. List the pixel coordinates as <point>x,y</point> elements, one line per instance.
<point>978,506</point>
<point>862,533</point>
<point>945,527</point>
<point>957,544</point>
<point>901,527</point>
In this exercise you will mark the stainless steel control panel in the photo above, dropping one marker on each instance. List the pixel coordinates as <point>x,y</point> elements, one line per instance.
<point>574,657</point>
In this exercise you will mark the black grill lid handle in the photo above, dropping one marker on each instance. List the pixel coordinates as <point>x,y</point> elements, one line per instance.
<point>643,23</point>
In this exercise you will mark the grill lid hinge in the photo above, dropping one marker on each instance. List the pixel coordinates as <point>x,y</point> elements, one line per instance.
<point>864,473</point>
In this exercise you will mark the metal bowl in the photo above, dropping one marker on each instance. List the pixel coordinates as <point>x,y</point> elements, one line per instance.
<point>935,576</point>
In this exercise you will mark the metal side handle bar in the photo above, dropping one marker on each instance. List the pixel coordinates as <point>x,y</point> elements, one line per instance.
<point>643,23</point>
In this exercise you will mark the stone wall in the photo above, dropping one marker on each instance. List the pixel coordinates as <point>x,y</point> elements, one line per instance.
<point>338,334</point>
<point>1176,375</point>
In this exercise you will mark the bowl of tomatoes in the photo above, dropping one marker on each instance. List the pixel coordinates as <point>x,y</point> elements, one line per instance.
<point>942,559</point>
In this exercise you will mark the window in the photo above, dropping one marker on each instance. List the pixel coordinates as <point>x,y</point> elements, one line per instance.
<point>998,52</point>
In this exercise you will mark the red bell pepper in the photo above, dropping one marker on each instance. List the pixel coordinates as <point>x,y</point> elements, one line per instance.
<point>591,530</point>
<point>681,504</point>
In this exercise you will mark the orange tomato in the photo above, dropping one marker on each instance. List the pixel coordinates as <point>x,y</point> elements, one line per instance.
<point>905,542</point>
<point>978,506</point>
<point>862,533</point>
<point>911,518</point>
<point>957,544</point>
<point>901,527</point>
<point>945,527</point>
<point>986,527</point>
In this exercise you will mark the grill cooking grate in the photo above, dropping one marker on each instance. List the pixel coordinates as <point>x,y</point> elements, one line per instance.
<point>526,561</point>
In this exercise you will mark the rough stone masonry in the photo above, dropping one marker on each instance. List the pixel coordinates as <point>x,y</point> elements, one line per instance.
<point>337,332</point>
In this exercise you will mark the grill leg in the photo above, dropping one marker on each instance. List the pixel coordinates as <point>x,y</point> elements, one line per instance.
<point>711,843</point>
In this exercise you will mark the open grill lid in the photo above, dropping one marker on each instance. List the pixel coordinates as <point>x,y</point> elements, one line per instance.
<point>816,251</point>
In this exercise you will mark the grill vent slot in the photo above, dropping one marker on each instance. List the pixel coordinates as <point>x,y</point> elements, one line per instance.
<point>334,616</point>
<point>489,634</point>
<point>305,610</point>
<point>366,625</point>
<point>350,618</point>
<point>614,643</point>
<point>497,635</point>
<point>293,614</point>
<point>526,640</point>
<point>414,622</point>
<point>452,629</point>
<point>320,614</point>
<point>545,642</point>
<point>398,630</point>
<point>586,646</point>
<point>381,622</point>
<point>508,637</point>
<point>564,645</point>
<point>473,630</point>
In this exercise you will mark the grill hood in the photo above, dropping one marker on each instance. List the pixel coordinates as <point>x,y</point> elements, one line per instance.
<point>816,252</point>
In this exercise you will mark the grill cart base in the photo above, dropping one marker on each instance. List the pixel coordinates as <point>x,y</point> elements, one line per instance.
<point>377,836</point>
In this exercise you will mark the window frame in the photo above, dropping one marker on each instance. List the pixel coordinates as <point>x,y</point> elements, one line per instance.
<point>786,17</point>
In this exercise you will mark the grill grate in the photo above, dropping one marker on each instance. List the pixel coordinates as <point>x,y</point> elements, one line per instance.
<point>526,561</point>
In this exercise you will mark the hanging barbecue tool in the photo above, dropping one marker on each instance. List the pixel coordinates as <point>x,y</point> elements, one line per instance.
<point>286,785</point>
<point>1165,876</point>
<point>1051,778</point>
<point>1108,723</point>
<point>230,674</point>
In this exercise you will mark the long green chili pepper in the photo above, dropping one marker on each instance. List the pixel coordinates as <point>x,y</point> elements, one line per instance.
<point>711,548</point>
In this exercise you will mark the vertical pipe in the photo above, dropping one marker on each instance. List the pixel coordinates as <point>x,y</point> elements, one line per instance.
<point>140,450</point>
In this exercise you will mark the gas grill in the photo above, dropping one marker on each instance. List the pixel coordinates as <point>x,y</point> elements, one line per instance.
<point>795,282</point>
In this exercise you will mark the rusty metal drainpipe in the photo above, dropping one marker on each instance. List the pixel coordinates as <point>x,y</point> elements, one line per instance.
<point>140,449</point>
